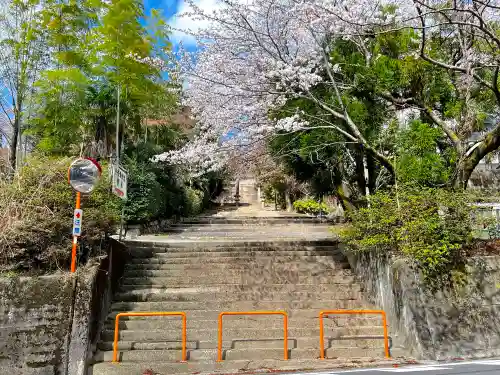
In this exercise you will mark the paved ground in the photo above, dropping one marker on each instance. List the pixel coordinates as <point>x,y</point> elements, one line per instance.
<point>483,367</point>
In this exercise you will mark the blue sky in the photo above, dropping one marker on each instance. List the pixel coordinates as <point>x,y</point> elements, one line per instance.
<point>172,9</point>
<point>169,7</point>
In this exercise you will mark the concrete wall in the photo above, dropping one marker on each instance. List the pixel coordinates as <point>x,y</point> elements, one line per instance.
<point>463,323</point>
<point>35,319</point>
<point>50,324</point>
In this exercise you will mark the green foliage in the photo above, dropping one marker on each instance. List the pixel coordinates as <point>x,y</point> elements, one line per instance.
<point>418,162</point>
<point>96,48</point>
<point>386,67</point>
<point>36,210</point>
<point>308,161</point>
<point>310,206</point>
<point>145,199</point>
<point>430,226</point>
<point>158,191</point>
<point>195,202</point>
<point>36,207</point>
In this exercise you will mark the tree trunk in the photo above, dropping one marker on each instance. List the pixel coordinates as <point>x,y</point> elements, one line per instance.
<point>13,141</point>
<point>359,169</point>
<point>372,173</point>
<point>464,171</point>
<point>344,200</point>
<point>469,162</point>
<point>288,200</point>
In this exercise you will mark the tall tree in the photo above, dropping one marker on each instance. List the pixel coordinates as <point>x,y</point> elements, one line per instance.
<point>22,56</point>
<point>355,69</point>
<point>100,48</point>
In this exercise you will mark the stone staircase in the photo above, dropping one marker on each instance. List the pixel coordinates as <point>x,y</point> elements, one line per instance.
<point>246,190</point>
<point>238,260</point>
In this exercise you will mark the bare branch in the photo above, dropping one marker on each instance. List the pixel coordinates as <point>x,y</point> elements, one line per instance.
<point>449,132</point>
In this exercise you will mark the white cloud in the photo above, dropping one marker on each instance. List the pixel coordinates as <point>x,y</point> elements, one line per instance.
<point>183,24</point>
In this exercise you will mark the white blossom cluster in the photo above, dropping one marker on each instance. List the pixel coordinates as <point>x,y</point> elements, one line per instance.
<point>291,124</point>
<point>213,158</point>
<point>301,74</point>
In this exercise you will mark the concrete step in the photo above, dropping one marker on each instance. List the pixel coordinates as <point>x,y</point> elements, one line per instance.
<point>232,354</point>
<point>203,314</point>
<point>238,251</point>
<point>238,263</point>
<point>270,270</point>
<point>236,223</point>
<point>237,288</point>
<point>331,252</point>
<point>214,268</point>
<point>239,247</point>
<point>262,322</point>
<point>241,333</point>
<point>158,278</point>
<point>236,306</point>
<point>229,238</point>
<point>159,245</point>
<point>235,366</point>
<point>303,343</point>
<point>228,228</point>
<point>195,264</point>
<point>236,280</point>
<point>255,220</point>
<point>293,343</point>
<point>259,294</point>
<point>247,234</point>
<point>295,266</point>
<point>249,259</point>
<point>152,345</point>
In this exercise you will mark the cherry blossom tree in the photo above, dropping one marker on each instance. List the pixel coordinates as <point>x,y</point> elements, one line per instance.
<point>257,56</point>
<point>282,66</point>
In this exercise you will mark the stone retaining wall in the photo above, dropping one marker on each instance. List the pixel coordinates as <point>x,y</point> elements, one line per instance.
<point>50,324</point>
<point>463,323</point>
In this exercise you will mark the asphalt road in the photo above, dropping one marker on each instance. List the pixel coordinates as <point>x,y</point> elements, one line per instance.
<point>483,367</point>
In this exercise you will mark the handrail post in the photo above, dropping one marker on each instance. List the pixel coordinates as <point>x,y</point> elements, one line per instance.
<point>285,334</point>
<point>115,342</point>
<point>285,328</point>
<point>321,337</point>
<point>386,335</point>
<point>219,344</point>
<point>346,312</point>
<point>184,338</point>
<point>184,330</point>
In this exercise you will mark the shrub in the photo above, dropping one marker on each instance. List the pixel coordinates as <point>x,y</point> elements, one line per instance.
<point>36,210</point>
<point>145,200</point>
<point>310,206</point>
<point>430,226</point>
<point>194,202</point>
<point>157,190</point>
<point>418,163</point>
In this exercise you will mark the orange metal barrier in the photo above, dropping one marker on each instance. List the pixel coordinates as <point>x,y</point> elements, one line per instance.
<point>118,316</point>
<point>285,328</point>
<point>345,312</point>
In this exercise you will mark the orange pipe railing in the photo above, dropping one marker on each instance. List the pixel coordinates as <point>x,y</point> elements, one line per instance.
<point>118,316</point>
<point>75,238</point>
<point>344,312</point>
<point>285,328</point>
